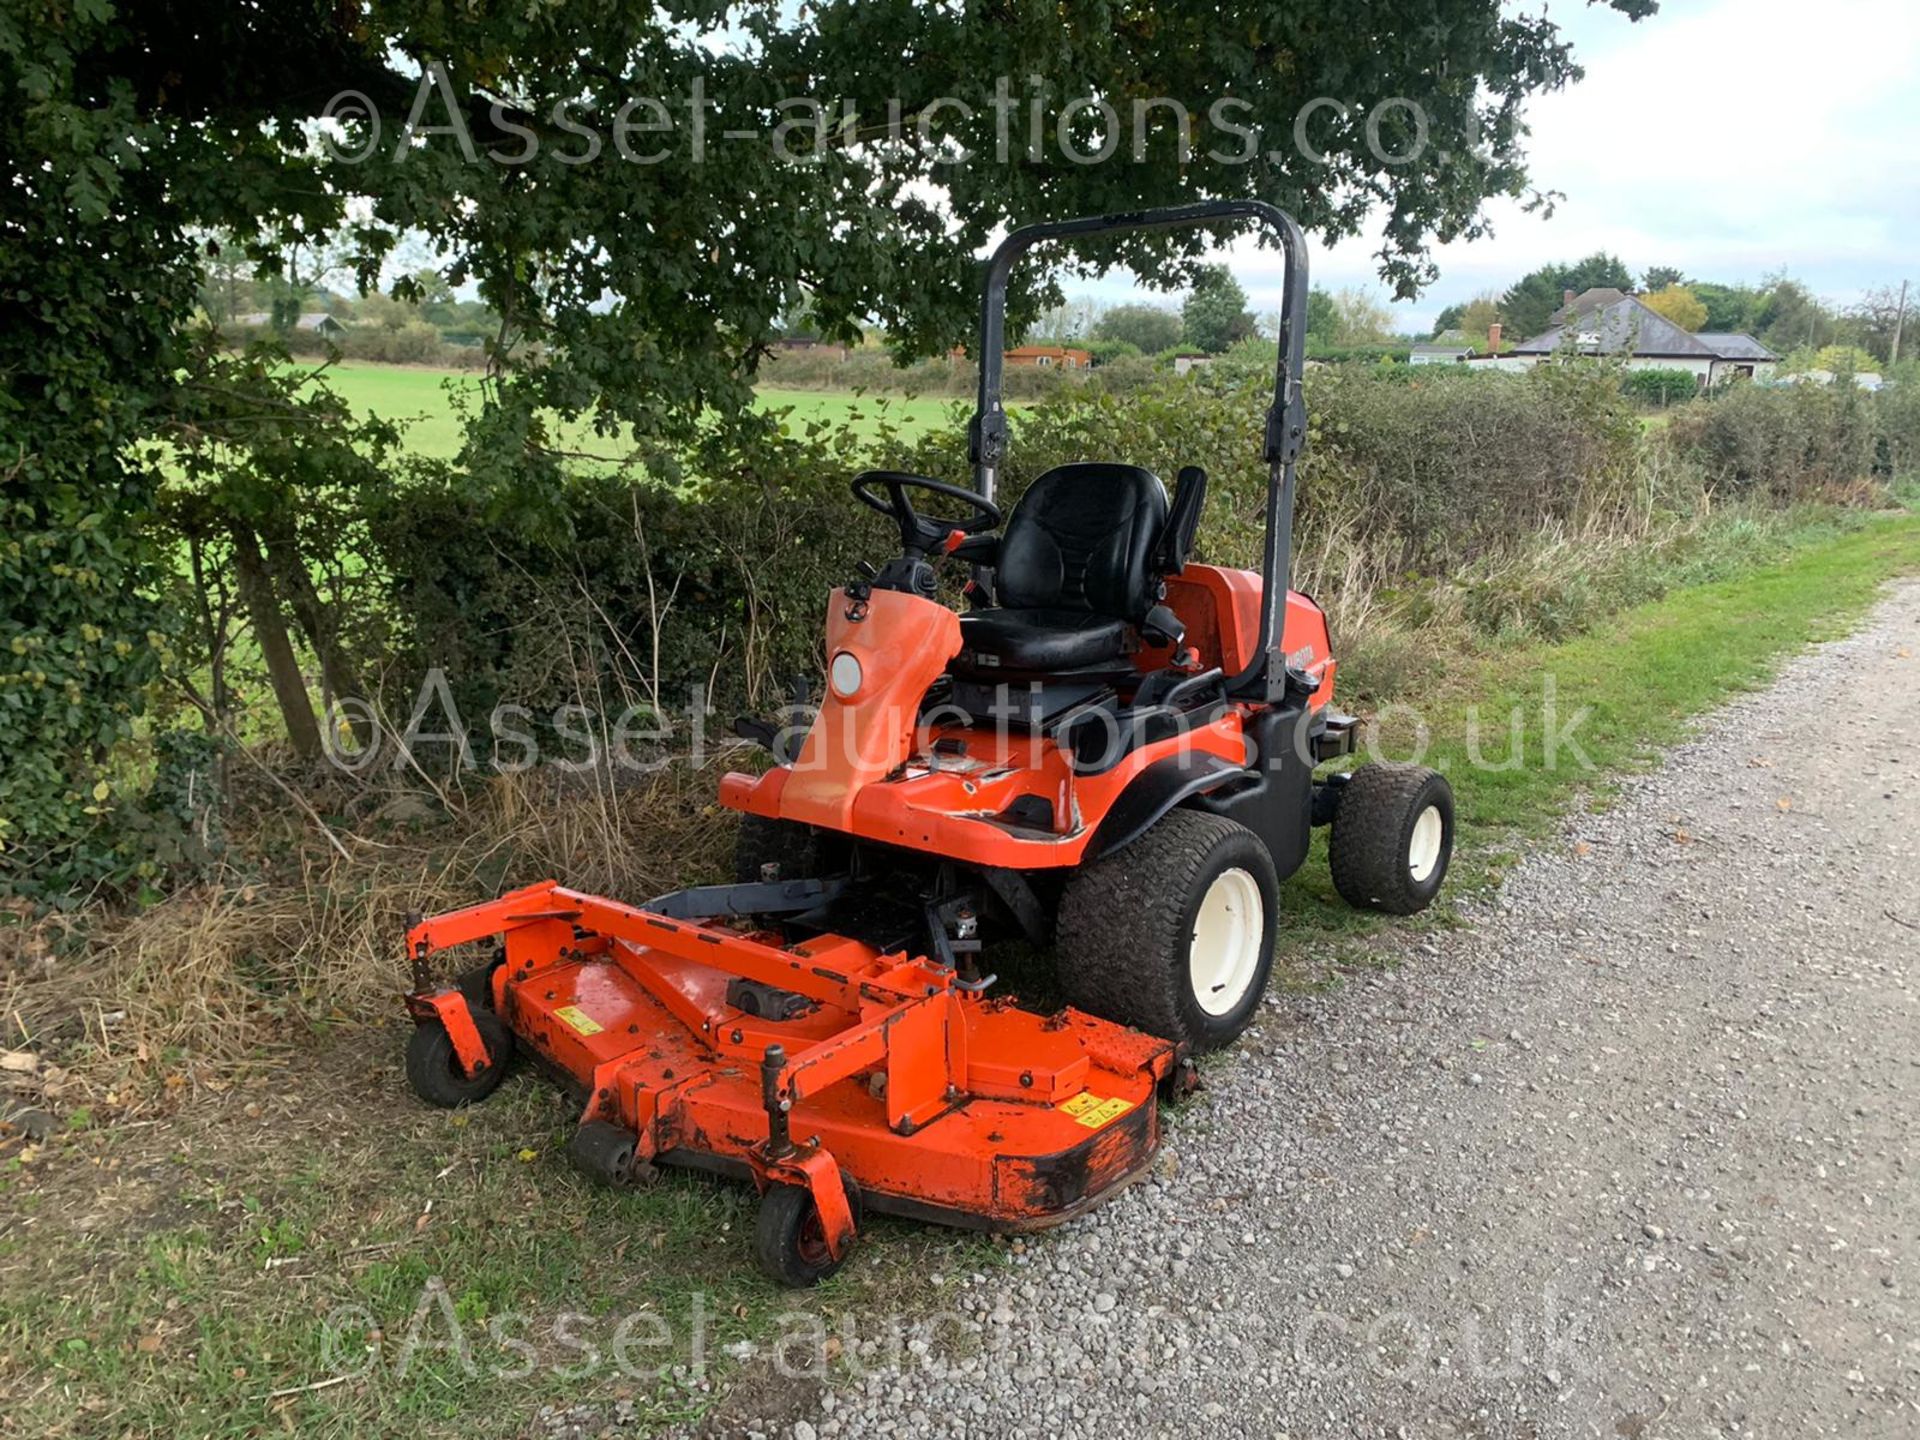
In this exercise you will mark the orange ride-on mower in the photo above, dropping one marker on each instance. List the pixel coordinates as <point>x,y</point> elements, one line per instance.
<point>1112,752</point>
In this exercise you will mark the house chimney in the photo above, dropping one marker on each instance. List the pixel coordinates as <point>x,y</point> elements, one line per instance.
<point>1493,338</point>
<point>1566,297</point>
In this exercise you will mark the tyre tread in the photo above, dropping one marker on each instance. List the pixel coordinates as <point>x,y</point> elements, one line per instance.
<point>1367,853</point>
<point>1122,917</point>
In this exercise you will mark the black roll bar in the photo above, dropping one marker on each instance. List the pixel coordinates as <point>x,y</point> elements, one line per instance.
<point>1286,425</point>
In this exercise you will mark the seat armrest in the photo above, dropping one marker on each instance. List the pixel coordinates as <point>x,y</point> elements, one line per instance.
<point>979,549</point>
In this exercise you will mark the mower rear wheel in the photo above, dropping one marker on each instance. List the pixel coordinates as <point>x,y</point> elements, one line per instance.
<point>788,1239</point>
<point>1392,837</point>
<point>1174,934</point>
<point>762,841</point>
<point>433,1070</point>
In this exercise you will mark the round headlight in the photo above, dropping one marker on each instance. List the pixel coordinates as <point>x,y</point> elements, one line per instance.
<point>844,675</point>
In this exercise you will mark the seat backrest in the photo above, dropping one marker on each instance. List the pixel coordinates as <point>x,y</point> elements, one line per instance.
<point>1183,521</point>
<point>1084,537</point>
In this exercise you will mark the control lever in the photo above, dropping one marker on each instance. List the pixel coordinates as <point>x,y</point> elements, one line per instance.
<point>1163,627</point>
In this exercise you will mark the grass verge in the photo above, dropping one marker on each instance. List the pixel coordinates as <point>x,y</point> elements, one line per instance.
<point>187,1271</point>
<point>1614,697</point>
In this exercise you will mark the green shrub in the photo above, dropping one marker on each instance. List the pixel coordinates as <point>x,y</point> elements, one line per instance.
<point>415,343</point>
<point>626,591</point>
<point>1786,443</point>
<point>1897,419</point>
<point>1661,387</point>
<point>873,369</point>
<point>1356,354</point>
<point>1386,463</point>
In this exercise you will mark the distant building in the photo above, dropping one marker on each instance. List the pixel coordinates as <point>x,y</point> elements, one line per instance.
<point>1050,357</point>
<point>1432,354</point>
<point>1606,321</point>
<point>1452,347</point>
<point>1186,361</point>
<point>318,324</point>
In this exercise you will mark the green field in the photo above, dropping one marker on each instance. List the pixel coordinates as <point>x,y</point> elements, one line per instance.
<point>430,404</point>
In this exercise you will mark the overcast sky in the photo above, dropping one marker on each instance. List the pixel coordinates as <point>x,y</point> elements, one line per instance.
<point>1730,138</point>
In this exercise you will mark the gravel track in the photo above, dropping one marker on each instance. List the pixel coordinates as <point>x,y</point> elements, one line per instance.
<point>1632,1153</point>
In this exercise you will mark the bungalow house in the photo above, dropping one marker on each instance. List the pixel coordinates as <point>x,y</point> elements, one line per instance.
<point>1606,321</point>
<point>1049,357</point>
<point>1433,353</point>
<point>1185,362</point>
<point>318,324</point>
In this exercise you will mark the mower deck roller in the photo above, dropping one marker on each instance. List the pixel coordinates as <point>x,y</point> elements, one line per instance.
<point>804,1064</point>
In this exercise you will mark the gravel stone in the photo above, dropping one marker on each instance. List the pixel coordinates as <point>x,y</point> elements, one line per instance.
<point>1715,982</point>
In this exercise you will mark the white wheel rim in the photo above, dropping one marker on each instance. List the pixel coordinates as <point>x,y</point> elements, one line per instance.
<point>1223,954</point>
<point>1423,850</point>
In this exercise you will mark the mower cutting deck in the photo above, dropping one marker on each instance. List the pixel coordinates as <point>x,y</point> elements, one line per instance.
<point>834,1076</point>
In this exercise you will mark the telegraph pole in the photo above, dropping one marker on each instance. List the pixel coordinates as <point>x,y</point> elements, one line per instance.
<point>1899,318</point>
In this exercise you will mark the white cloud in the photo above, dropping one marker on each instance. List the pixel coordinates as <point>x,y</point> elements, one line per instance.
<point>1730,138</point>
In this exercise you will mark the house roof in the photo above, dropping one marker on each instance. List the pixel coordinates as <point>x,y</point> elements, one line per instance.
<point>1606,322</point>
<point>1588,301</point>
<point>305,322</point>
<point>1731,346</point>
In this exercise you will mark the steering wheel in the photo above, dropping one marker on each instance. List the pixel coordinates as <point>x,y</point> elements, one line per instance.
<point>919,533</point>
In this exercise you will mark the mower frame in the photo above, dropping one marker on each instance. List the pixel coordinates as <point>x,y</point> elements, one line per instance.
<point>1264,677</point>
<point>831,1038</point>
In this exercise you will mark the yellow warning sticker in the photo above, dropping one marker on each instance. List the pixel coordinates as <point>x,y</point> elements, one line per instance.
<point>579,1019</point>
<point>1093,1112</point>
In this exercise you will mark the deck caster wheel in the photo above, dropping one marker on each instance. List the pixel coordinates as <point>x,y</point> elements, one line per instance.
<point>788,1239</point>
<point>477,984</point>
<point>1392,838</point>
<point>1180,1083</point>
<point>435,1074</point>
<point>605,1154</point>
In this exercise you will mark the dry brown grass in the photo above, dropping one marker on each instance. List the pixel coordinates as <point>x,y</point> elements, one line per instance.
<point>289,937</point>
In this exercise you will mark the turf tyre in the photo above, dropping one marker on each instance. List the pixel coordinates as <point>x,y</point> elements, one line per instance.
<point>1131,942</point>
<point>788,1242</point>
<point>434,1072</point>
<point>1392,838</point>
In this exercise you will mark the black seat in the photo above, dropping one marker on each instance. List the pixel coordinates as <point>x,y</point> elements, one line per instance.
<point>1039,642</point>
<point>1075,573</point>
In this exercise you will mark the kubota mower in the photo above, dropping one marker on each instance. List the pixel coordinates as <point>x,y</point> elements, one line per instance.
<point>1111,752</point>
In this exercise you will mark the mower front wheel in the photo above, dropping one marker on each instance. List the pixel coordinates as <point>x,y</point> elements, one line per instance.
<point>1392,837</point>
<point>790,1242</point>
<point>433,1070</point>
<point>1174,934</point>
